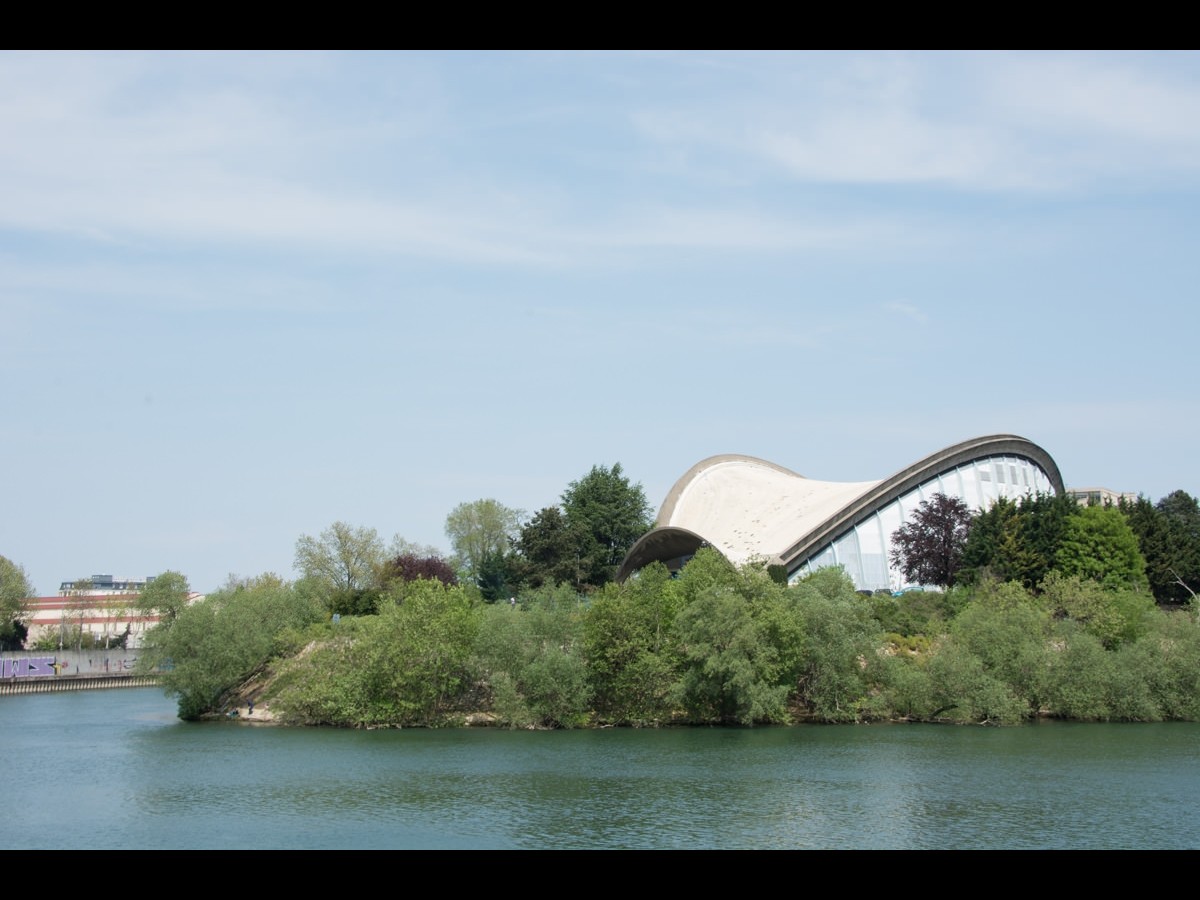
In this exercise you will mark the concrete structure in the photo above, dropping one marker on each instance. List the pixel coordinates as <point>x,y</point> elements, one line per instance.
<point>751,509</point>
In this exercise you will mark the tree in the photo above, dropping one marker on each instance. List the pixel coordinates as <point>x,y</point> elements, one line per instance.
<point>1182,514</point>
<point>1017,540</point>
<point>1099,544</point>
<point>410,567</point>
<point>928,548</point>
<point>15,589</point>
<point>164,596</point>
<point>215,643</point>
<point>408,665</point>
<point>1168,534</point>
<point>479,531</point>
<point>634,662</point>
<point>553,550</point>
<point>613,512</point>
<point>343,565</point>
<point>74,611</point>
<point>402,546</point>
<point>533,661</point>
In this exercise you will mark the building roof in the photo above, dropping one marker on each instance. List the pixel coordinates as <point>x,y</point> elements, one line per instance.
<point>749,508</point>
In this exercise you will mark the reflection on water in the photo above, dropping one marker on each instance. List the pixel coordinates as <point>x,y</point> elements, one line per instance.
<point>116,769</point>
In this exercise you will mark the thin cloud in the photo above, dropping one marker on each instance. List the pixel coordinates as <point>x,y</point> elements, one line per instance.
<point>908,311</point>
<point>971,121</point>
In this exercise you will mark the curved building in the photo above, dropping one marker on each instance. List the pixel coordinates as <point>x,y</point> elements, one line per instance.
<point>749,508</point>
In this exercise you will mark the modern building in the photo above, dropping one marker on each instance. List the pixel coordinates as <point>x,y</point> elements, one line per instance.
<point>751,509</point>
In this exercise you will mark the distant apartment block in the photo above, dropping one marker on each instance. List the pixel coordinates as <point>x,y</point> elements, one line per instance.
<point>1095,496</point>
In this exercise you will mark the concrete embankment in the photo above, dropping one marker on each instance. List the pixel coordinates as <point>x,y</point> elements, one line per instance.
<point>74,683</point>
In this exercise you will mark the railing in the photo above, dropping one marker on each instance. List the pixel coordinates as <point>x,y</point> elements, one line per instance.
<point>74,683</point>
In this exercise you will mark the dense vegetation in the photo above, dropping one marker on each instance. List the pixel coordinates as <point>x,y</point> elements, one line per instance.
<point>715,645</point>
<point>1045,609</point>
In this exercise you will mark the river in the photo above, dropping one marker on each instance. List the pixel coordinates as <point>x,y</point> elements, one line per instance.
<point>117,770</point>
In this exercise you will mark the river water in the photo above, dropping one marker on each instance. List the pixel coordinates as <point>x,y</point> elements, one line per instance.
<point>117,769</point>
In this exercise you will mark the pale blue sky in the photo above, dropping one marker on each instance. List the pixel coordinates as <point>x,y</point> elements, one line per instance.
<point>246,295</point>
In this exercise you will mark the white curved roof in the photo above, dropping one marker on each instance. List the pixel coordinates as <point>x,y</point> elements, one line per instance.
<point>749,508</point>
<point>741,504</point>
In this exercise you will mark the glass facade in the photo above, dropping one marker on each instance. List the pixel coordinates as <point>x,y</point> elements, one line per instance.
<point>864,550</point>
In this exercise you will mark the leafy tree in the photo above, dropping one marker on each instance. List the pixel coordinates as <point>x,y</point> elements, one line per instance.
<point>401,546</point>
<point>1165,664</point>
<point>164,596</point>
<point>740,640</point>
<point>342,567</point>
<point>410,567</point>
<point>553,550</point>
<point>1099,544</point>
<point>1183,527</point>
<point>533,660</point>
<point>928,548</point>
<point>1169,537</point>
<point>15,589</point>
<point>632,658</point>
<point>990,667</point>
<point>408,665</point>
<point>613,512</point>
<point>1114,616</point>
<point>1017,540</point>
<point>216,643</point>
<point>497,578</point>
<point>730,669</point>
<point>74,611</point>
<point>994,547</point>
<point>479,531</point>
<point>917,612</point>
<point>838,639</point>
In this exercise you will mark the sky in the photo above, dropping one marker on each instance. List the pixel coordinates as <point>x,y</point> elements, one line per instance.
<point>244,296</point>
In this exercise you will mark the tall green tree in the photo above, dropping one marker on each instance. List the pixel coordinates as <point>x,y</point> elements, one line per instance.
<point>1100,545</point>
<point>632,656</point>
<point>731,670</point>
<point>552,550</point>
<point>614,513</point>
<point>342,567</point>
<point>480,531</point>
<point>164,596</point>
<point>1150,526</point>
<point>1017,540</point>
<point>1168,534</point>
<point>994,546</point>
<point>15,590</point>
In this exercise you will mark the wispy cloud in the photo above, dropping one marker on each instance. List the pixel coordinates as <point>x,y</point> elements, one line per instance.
<point>908,311</point>
<point>980,122</point>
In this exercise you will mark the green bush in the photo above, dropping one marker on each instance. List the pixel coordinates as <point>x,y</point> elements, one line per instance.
<point>533,659</point>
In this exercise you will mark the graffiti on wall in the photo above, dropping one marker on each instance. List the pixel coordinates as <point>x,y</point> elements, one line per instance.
<point>67,664</point>
<point>29,667</point>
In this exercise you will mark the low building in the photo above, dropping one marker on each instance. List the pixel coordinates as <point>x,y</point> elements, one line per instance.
<point>102,607</point>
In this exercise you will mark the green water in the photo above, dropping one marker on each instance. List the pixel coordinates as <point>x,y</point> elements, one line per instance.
<point>116,769</point>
